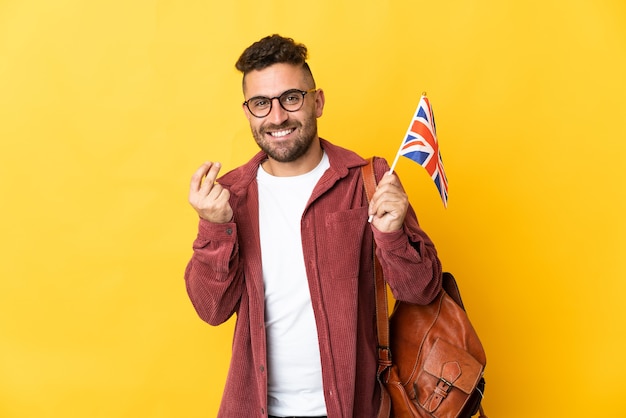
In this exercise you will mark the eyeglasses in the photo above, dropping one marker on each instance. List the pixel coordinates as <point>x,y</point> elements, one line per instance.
<point>291,100</point>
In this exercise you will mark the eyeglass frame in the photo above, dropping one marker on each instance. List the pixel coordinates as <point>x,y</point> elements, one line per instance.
<point>271,101</point>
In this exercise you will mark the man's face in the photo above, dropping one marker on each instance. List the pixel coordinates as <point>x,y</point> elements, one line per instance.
<point>284,136</point>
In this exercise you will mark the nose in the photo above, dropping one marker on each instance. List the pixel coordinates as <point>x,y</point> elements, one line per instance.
<point>277,114</point>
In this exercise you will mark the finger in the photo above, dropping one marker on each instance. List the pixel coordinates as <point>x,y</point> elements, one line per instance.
<point>218,193</point>
<point>389,216</point>
<point>196,178</point>
<point>389,198</point>
<point>213,172</point>
<point>388,193</point>
<point>209,180</point>
<point>216,206</point>
<point>224,197</point>
<point>389,179</point>
<point>389,185</point>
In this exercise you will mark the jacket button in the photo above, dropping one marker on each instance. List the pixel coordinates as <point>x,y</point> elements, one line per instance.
<point>262,368</point>
<point>229,231</point>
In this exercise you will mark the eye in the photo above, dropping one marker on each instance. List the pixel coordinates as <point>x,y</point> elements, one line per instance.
<point>259,102</point>
<point>291,98</point>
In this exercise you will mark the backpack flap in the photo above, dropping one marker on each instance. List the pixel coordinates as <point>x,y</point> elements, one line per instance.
<point>446,368</point>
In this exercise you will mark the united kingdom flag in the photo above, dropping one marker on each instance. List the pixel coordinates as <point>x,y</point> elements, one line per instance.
<point>421,145</point>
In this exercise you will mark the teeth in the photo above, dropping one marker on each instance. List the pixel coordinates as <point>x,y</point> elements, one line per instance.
<point>280,134</point>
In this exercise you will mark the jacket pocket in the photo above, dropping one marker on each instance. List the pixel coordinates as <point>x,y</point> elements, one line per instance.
<point>342,241</point>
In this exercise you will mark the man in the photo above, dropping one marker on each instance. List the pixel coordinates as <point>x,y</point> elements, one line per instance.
<point>285,244</point>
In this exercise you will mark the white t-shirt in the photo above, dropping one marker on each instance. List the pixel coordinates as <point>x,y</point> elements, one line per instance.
<point>294,366</point>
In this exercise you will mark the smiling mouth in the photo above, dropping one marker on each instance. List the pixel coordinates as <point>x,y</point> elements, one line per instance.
<point>282,133</point>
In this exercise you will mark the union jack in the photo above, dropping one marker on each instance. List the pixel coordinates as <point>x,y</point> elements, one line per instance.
<point>420,145</point>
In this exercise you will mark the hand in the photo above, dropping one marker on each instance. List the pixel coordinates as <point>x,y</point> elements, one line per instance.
<point>209,198</point>
<point>389,204</point>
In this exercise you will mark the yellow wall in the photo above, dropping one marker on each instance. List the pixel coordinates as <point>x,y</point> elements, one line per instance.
<point>107,107</point>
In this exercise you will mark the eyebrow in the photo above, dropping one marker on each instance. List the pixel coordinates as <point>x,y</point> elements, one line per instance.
<point>275,96</point>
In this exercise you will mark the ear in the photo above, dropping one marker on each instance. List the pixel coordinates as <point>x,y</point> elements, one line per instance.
<point>246,111</point>
<point>319,102</point>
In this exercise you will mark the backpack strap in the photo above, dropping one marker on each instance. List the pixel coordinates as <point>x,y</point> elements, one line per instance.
<point>382,316</point>
<point>382,312</point>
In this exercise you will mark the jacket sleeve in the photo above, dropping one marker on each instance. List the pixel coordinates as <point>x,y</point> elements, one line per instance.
<point>408,257</point>
<point>213,276</point>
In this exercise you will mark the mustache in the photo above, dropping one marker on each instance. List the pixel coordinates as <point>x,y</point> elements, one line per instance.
<point>284,125</point>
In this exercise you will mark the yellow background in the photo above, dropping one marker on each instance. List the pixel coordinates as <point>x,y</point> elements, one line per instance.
<point>107,107</point>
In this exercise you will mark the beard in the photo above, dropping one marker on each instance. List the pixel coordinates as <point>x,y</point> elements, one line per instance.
<point>287,151</point>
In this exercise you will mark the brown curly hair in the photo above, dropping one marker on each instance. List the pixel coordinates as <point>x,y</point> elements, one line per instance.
<point>273,49</point>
